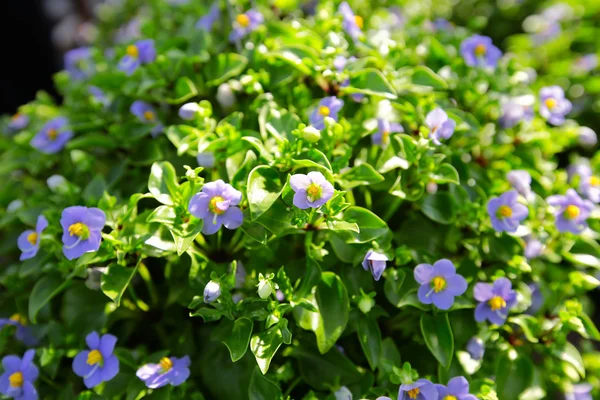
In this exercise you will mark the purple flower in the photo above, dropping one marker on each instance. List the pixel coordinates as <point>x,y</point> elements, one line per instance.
<point>571,211</point>
<point>82,230</point>
<point>339,63</point>
<point>99,95</point>
<point>587,63</point>
<point>587,137</point>
<point>441,24</point>
<point>439,283</point>
<point>506,212</point>
<point>547,31</point>
<point>29,241</point>
<point>351,23</point>
<point>212,291</point>
<point>579,171</point>
<point>217,204</point>
<point>24,332</point>
<point>375,262</point>
<point>476,348</point>
<point>479,51</point>
<point>189,111</point>
<point>245,24</point>
<point>171,370</point>
<point>147,115</point>
<point>207,22</point>
<point>537,299</point>
<point>440,125</point>
<point>420,390</point>
<point>384,129</point>
<point>457,389</point>
<point>98,364</point>
<point>533,248</point>
<point>18,377</point>
<point>78,63</point>
<point>520,180</point>
<point>206,159</point>
<point>581,391</point>
<point>129,31</point>
<point>53,136</point>
<point>141,52</point>
<point>328,107</point>
<point>311,190</point>
<point>553,105</point>
<point>590,187</point>
<point>513,113</point>
<point>495,301</point>
<point>18,121</point>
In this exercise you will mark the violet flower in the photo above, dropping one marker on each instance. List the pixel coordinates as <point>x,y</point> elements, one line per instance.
<point>440,125</point>
<point>328,107</point>
<point>245,24</point>
<point>311,190</point>
<point>553,104</point>
<point>479,51</point>
<point>571,211</point>
<point>495,301</point>
<point>505,212</point>
<point>147,115</point>
<point>169,370</point>
<point>352,24</point>
<point>384,129</point>
<point>18,377</point>
<point>439,283</point>
<point>138,53</point>
<point>375,262</point>
<point>217,205</point>
<point>53,136</point>
<point>419,390</point>
<point>29,241</point>
<point>82,230</point>
<point>457,389</point>
<point>98,364</point>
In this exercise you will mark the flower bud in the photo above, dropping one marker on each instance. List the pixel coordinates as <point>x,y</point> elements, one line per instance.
<point>311,134</point>
<point>431,187</point>
<point>264,289</point>
<point>343,393</point>
<point>94,278</point>
<point>225,96</point>
<point>206,159</point>
<point>587,137</point>
<point>57,183</point>
<point>212,291</point>
<point>476,348</point>
<point>189,111</point>
<point>366,303</point>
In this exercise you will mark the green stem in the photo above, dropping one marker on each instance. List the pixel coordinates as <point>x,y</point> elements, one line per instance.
<point>291,387</point>
<point>392,209</point>
<point>308,241</point>
<point>350,197</point>
<point>145,274</point>
<point>219,238</point>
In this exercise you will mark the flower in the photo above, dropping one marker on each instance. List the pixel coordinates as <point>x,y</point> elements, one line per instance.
<point>217,204</point>
<point>53,136</point>
<point>533,248</point>
<point>495,301</point>
<point>189,111</point>
<point>537,299</point>
<point>457,389</point>
<point>207,22</point>
<point>479,51</point>
<point>581,171</point>
<point>352,24</point>
<point>586,63</point>
<point>212,291</point>
<point>420,390</point>
<point>98,364</point>
<point>439,283</point>
<point>98,95</point>
<point>82,230</point>
<point>521,181</point>
<point>169,370</point>
<point>138,53</point>
<point>245,24</point>
<point>56,183</point>
<point>18,121</point>
<point>440,125</point>
<point>311,190</point>
<point>476,348</point>
<point>442,24</point>
<point>24,332</point>
<point>339,63</point>
<point>553,105</point>
<point>265,288</point>
<point>29,241</point>
<point>311,134</point>
<point>147,115</point>
<point>206,159</point>
<point>18,377</point>
<point>590,187</point>
<point>328,107</point>
<point>505,212</point>
<point>343,393</point>
<point>513,113</point>
<point>571,211</point>
<point>375,262</point>
<point>587,137</point>
<point>384,129</point>
<point>580,391</point>
<point>78,63</point>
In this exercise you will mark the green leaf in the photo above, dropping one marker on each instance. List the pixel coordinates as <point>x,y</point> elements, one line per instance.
<point>185,89</point>
<point>438,336</point>
<point>529,325</point>
<point>239,337</point>
<point>43,291</point>
<point>162,183</point>
<point>590,328</point>
<point>440,207</point>
<point>92,140</point>
<point>264,345</point>
<point>570,354</point>
<point>371,226</point>
<point>224,67</point>
<point>311,277</point>
<point>264,187</point>
<point>262,388</point>
<point>446,173</point>
<point>369,337</point>
<point>360,175</point>
<point>426,77</point>
<point>370,81</point>
<point>513,376</point>
<point>334,309</point>
<point>115,281</point>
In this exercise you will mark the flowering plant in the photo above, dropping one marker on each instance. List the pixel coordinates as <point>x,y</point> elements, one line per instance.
<point>305,201</point>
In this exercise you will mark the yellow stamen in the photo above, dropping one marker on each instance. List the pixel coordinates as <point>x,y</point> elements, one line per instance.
<point>505,211</point>
<point>80,230</point>
<point>450,397</point>
<point>594,181</point>
<point>572,211</point>
<point>550,103</point>
<point>149,115</point>
<point>243,20</point>
<point>166,364</point>
<point>16,380</point>
<point>324,111</point>
<point>439,284</point>
<point>132,51</point>
<point>32,238</point>
<point>385,137</point>
<point>313,191</point>
<point>413,393</point>
<point>497,302</point>
<point>480,50</point>
<point>19,319</point>
<point>52,133</point>
<point>212,205</point>
<point>360,22</point>
<point>94,357</point>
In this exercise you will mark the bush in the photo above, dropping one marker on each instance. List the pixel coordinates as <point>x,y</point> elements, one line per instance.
<point>381,203</point>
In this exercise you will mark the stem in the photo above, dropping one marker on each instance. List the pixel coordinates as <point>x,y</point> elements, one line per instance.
<point>308,241</point>
<point>350,197</point>
<point>219,238</point>
<point>392,209</point>
<point>145,274</point>
<point>368,200</point>
<point>291,387</point>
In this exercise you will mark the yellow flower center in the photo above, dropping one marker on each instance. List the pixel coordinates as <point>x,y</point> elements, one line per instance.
<point>16,116</point>
<point>32,238</point>
<point>480,50</point>
<point>413,393</point>
<point>439,284</point>
<point>243,20</point>
<point>594,181</point>
<point>313,191</point>
<point>16,380</point>
<point>52,133</point>
<point>94,357</point>
<point>132,51</point>
<point>572,211</point>
<point>149,115</point>
<point>360,22</point>
<point>19,319</point>
<point>324,111</point>
<point>551,103</point>
<point>505,211</point>
<point>385,137</point>
<point>450,397</point>
<point>166,364</point>
<point>497,302</point>
<point>80,230</point>
<point>212,206</point>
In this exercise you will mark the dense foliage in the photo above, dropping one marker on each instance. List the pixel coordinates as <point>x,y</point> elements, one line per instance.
<point>275,200</point>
